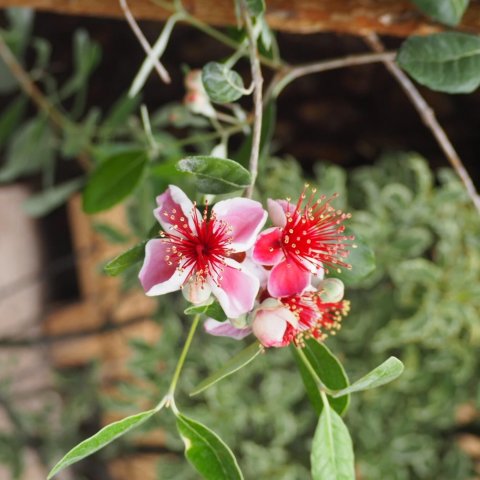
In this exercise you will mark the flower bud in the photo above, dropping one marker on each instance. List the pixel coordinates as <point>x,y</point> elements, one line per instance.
<point>331,290</point>
<point>270,322</point>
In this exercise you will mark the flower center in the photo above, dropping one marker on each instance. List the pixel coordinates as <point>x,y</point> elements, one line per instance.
<point>314,235</point>
<point>316,319</point>
<point>199,246</point>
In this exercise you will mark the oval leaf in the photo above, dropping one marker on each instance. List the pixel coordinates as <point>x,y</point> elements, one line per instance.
<point>222,84</point>
<point>48,200</point>
<point>332,451</point>
<point>362,260</point>
<point>215,175</point>
<point>330,372</point>
<point>388,371</point>
<point>102,438</point>
<point>447,62</point>
<point>449,12</point>
<point>237,362</point>
<point>125,260</point>
<point>113,180</point>
<point>206,451</point>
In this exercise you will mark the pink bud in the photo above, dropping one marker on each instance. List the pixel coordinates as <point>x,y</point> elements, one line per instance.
<point>270,322</point>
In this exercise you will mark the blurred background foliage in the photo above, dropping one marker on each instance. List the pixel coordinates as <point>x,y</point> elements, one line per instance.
<point>422,303</point>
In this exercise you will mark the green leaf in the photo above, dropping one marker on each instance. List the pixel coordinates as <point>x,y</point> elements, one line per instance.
<point>447,62</point>
<point>329,370</point>
<point>48,200</point>
<point>125,260</point>
<point>113,180</point>
<point>449,12</point>
<point>313,393</point>
<point>215,175</point>
<point>31,148</point>
<point>332,451</point>
<point>237,362</point>
<point>102,438</point>
<point>118,116</point>
<point>222,84</point>
<point>77,137</point>
<point>255,7</point>
<point>206,451</point>
<point>10,118</point>
<point>212,310</point>
<point>362,260</point>
<point>242,156</point>
<point>112,234</point>
<point>388,371</point>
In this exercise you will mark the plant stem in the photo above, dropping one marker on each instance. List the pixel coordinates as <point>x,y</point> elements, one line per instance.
<point>214,33</point>
<point>429,119</point>
<point>313,373</point>
<point>289,74</point>
<point>257,80</point>
<point>57,118</point>
<point>162,72</point>
<point>181,360</point>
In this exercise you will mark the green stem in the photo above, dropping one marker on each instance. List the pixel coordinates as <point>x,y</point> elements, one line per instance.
<point>181,360</point>
<point>321,386</point>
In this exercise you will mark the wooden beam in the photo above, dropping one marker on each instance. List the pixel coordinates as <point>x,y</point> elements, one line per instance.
<point>386,17</point>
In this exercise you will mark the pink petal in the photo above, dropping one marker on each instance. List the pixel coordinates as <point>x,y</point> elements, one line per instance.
<point>225,329</point>
<point>170,201</point>
<point>157,276</point>
<point>257,270</point>
<point>236,291</point>
<point>268,247</point>
<point>269,324</point>
<point>277,210</point>
<point>245,216</point>
<point>287,279</point>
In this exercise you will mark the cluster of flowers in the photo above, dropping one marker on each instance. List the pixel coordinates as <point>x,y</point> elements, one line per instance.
<point>268,283</point>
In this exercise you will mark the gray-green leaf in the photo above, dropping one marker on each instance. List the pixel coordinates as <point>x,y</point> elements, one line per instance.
<point>48,200</point>
<point>362,260</point>
<point>207,452</point>
<point>447,62</point>
<point>237,362</point>
<point>215,175</point>
<point>113,180</point>
<point>449,12</point>
<point>388,371</point>
<point>332,451</point>
<point>102,438</point>
<point>222,84</point>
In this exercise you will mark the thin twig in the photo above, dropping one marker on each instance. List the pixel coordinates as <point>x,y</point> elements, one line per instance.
<point>289,74</point>
<point>257,98</point>
<point>162,72</point>
<point>429,119</point>
<point>29,87</point>
<point>57,118</point>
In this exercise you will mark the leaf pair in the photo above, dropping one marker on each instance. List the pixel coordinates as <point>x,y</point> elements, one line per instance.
<point>204,449</point>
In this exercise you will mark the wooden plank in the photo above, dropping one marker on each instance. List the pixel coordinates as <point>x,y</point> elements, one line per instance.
<point>389,17</point>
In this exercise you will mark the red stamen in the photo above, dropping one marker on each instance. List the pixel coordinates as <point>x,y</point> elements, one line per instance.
<point>313,236</point>
<point>200,248</point>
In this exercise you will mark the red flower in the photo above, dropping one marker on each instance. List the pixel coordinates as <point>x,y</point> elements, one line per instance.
<point>279,322</point>
<point>308,239</point>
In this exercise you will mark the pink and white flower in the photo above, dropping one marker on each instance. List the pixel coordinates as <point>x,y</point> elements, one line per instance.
<point>279,322</point>
<point>198,250</point>
<point>308,238</point>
